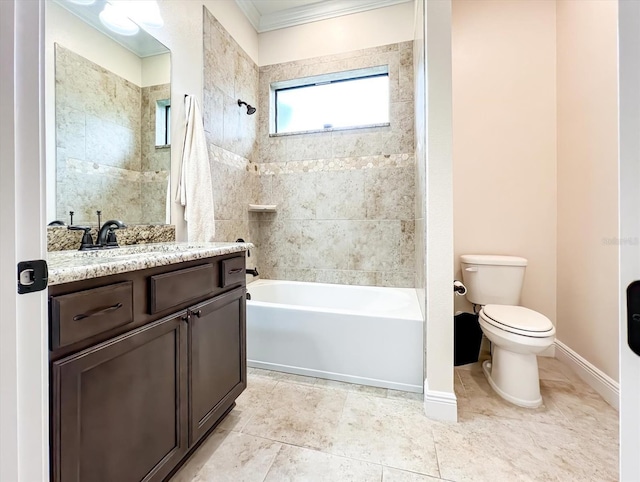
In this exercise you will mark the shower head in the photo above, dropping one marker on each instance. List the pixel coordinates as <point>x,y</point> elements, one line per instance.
<point>250,109</point>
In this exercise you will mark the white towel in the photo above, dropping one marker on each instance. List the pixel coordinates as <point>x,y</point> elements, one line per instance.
<point>195,191</point>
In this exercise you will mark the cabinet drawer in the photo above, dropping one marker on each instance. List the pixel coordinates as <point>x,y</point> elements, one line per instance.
<point>176,288</point>
<point>77,316</point>
<point>232,271</point>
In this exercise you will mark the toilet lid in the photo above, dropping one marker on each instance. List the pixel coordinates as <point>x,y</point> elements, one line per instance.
<point>518,319</point>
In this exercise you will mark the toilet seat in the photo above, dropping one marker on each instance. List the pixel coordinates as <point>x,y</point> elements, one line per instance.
<point>518,320</point>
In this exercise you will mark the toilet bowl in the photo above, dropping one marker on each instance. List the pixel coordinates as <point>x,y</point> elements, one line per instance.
<point>517,334</point>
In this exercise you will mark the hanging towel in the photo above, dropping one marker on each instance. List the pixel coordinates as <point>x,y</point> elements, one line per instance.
<point>195,191</point>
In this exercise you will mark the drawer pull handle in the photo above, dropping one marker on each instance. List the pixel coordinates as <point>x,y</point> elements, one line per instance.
<point>235,271</point>
<point>198,313</point>
<point>99,311</point>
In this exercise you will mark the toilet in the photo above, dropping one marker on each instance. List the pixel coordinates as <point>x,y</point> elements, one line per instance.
<point>517,334</point>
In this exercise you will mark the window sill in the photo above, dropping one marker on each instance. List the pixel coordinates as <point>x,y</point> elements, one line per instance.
<point>331,129</point>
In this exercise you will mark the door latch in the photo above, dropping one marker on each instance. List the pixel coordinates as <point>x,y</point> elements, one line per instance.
<point>32,276</point>
<point>633,317</point>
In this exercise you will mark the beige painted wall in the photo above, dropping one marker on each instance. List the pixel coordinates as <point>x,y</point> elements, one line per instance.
<point>504,138</point>
<point>373,28</point>
<point>588,181</point>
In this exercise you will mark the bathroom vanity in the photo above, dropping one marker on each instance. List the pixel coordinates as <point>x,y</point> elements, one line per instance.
<point>147,354</point>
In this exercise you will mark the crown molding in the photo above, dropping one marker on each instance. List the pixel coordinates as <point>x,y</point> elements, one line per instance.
<point>309,13</point>
<point>250,11</point>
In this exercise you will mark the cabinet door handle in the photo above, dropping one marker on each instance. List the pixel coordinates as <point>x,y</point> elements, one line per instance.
<point>97,312</point>
<point>235,271</point>
<point>198,313</point>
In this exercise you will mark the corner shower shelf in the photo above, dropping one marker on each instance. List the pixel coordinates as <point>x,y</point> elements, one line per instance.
<point>262,208</point>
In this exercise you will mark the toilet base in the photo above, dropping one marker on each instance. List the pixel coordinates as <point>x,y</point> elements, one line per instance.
<point>514,376</point>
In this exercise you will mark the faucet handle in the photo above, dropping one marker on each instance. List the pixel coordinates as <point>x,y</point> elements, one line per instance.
<point>111,237</point>
<point>87,240</point>
<point>240,240</point>
<point>106,235</point>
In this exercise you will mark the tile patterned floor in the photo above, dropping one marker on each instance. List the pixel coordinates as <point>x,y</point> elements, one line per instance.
<point>293,428</point>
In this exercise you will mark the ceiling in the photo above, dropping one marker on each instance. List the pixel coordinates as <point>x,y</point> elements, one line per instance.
<point>266,15</point>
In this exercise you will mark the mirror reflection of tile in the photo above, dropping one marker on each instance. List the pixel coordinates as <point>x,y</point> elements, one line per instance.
<point>108,101</point>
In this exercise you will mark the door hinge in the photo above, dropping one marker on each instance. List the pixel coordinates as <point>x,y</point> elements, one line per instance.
<point>633,317</point>
<point>32,276</point>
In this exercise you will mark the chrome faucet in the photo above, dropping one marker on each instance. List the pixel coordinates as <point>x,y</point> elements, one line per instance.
<point>107,235</point>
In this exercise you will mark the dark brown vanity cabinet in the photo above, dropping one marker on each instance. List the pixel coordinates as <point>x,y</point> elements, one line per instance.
<point>217,359</point>
<point>143,365</point>
<point>119,411</point>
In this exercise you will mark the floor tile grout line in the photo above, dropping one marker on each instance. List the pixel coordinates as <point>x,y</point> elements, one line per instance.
<point>319,450</point>
<point>266,474</point>
<point>334,454</point>
<point>435,449</point>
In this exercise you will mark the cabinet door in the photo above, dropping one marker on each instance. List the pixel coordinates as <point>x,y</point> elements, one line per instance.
<point>217,364</point>
<point>119,409</point>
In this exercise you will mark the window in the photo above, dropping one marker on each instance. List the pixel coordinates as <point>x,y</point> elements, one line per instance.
<point>163,123</point>
<point>351,99</point>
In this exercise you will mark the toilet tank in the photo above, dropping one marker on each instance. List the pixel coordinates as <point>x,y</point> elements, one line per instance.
<point>493,279</point>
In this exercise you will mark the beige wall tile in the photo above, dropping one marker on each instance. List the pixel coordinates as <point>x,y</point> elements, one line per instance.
<point>382,255</point>
<point>325,244</point>
<point>295,194</point>
<point>390,193</point>
<point>341,195</point>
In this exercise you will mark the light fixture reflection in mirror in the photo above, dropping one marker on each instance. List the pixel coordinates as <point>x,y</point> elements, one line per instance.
<point>143,12</point>
<point>114,19</point>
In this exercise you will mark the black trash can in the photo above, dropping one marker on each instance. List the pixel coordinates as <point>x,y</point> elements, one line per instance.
<point>467,337</point>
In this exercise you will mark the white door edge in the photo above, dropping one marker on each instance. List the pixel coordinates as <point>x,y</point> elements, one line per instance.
<point>24,446</point>
<point>629,152</point>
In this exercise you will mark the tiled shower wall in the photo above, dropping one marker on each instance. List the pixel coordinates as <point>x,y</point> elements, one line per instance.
<point>229,75</point>
<point>99,151</point>
<point>345,198</point>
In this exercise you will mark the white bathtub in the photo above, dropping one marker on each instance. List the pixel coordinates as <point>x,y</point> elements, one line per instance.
<point>358,334</point>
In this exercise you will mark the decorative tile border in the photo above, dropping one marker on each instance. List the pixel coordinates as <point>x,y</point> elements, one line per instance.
<point>89,167</point>
<point>385,161</point>
<point>336,164</point>
<point>228,158</point>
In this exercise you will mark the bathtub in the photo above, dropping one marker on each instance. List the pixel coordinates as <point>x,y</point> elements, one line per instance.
<point>358,334</point>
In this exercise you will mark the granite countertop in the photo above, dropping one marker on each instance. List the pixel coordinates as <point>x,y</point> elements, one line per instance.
<point>69,266</point>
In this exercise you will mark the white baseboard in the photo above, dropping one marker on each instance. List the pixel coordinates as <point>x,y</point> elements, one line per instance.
<point>602,383</point>
<point>440,405</point>
<point>549,352</point>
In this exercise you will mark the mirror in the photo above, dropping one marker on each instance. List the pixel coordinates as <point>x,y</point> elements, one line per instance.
<point>112,118</point>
